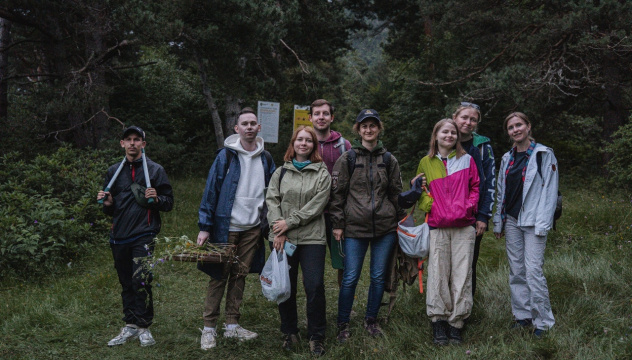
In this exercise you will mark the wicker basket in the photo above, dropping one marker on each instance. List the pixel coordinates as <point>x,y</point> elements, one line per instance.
<point>210,253</point>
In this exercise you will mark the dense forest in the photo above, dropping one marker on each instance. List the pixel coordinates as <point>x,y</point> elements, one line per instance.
<point>74,71</point>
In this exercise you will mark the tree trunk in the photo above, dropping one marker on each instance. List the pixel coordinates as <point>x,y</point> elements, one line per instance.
<point>233,107</point>
<point>5,40</point>
<point>614,109</point>
<point>210,102</point>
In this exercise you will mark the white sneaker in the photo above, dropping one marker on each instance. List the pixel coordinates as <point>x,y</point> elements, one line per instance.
<point>208,339</point>
<point>127,333</point>
<point>239,333</point>
<point>144,335</point>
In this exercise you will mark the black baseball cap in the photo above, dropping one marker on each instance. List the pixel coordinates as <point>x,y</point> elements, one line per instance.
<point>135,129</point>
<point>366,114</point>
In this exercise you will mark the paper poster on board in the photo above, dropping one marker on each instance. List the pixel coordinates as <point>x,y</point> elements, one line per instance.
<point>268,115</point>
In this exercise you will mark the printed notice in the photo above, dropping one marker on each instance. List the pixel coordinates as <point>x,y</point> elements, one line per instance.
<point>268,115</point>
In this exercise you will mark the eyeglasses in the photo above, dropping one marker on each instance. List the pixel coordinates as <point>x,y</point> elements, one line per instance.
<point>471,104</point>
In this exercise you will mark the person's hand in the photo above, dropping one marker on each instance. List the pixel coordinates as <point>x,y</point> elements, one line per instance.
<point>338,233</point>
<point>279,242</point>
<point>419,176</point>
<point>481,226</point>
<point>108,197</point>
<point>279,227</point>
<point>202,237</point>
<point>499,235</point>
<point>151,193</point>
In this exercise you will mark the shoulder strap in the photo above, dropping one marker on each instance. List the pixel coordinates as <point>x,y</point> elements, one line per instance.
<point>538,159</point>
<point>283,170</point>
<point>269,159</point>
<point>229,158</point>
<point>481,146</point>
<point>351,160</point>
<point>340,145</point>
<point>386,159</point>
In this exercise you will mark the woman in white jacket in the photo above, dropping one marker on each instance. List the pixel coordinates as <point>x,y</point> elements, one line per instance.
<point>526,201</point>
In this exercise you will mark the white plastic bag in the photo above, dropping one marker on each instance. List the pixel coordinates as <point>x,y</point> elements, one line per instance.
<point>275,278</point>
<point>414,240</point>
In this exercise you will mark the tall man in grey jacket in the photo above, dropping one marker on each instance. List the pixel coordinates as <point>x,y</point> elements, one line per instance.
<point>135,224</point>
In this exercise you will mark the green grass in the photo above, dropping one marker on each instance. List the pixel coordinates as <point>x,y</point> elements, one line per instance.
<point>73,313</point>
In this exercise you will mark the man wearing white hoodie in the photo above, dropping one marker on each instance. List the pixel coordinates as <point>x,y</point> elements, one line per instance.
<point>231,211</point>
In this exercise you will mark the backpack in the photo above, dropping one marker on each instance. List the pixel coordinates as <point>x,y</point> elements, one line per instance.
<point>340,145</point>
<point>558,206</point>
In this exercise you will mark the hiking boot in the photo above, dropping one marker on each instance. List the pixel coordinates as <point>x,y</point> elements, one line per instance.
<point>539,333</point>
<point>290,342</point>
<point>454,334</point>
<point>239,333</point>
<point>372,327</point>
<point>522,324</point>
<point>316,347</point>
<point>439,332</point>
<point>127,333</point>
<point>343,333</point>
<point>207,341</point>
<point>145,337</point>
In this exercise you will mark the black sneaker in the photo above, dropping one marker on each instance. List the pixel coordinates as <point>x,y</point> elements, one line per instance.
<point>290,342</point>
<point>372,327</point>
<point>343,333</point>
<point>439,332</point>
<point>522,324</point>
<point>454,334</point>
<point>316,347</point>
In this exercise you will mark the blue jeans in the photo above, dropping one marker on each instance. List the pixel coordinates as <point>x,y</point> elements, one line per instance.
<point>355,250</point>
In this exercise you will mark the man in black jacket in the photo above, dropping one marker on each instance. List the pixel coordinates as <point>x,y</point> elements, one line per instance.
<point>135,224</point>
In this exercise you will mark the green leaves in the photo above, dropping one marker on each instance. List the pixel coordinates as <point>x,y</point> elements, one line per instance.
<point>48,211</point>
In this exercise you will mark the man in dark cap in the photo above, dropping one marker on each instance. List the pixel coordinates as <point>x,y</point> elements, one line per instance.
<point>135,212</point>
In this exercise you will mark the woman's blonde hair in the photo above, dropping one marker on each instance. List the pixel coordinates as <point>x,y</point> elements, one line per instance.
<point>463,107</point>
<point>434,146</point>
<point>291,154</point>
<point>521,116</point>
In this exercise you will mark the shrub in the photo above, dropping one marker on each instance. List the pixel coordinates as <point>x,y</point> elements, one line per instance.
<point>48,212</point>
<point>620,165</point>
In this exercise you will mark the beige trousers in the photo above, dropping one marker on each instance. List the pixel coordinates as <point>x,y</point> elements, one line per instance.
<point>235,276</point>
<point>449,293</point>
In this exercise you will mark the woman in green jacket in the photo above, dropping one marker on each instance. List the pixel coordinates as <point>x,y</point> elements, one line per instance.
<point>296,198</point>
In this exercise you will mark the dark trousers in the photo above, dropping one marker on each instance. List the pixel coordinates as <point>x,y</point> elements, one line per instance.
<point>477,249</point>
<point>312,261</point>
<point>130,262</point>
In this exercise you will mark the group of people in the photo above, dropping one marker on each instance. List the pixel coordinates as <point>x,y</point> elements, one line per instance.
<point>349,197</point>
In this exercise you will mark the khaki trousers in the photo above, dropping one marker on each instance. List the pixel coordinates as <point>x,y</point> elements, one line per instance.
<point>235,275</point>
<point>449,294</point>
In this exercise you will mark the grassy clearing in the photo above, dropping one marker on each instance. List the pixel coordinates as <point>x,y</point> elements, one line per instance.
<point>75,312</point>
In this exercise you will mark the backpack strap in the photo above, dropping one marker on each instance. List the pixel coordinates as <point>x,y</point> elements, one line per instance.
<point>351,160</point>
<point>229,158</point>
<point>386,159</point>
<point>340,145</point>
<point>283,170</point>
<point>538,160</point>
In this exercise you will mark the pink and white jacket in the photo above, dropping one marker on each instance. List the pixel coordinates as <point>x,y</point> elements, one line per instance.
<point>454,190</point>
